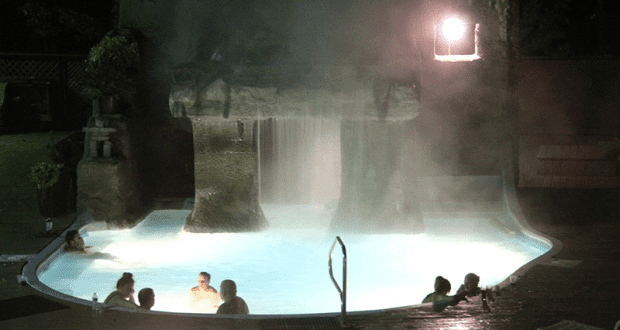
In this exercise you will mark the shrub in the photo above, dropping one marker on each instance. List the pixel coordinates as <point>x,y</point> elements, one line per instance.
<point>45,175</point>
<point>112,66</point>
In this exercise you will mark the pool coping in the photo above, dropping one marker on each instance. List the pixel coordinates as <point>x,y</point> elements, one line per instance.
<point>85,222</point>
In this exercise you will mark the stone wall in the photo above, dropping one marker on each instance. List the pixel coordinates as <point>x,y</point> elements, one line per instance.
<point>107,179</point>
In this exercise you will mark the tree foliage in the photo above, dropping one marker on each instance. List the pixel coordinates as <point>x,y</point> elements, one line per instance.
<point>55,26</point>
<point>568,27</point>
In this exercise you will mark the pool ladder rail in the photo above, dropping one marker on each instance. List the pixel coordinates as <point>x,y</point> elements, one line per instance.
<point>343,291</point>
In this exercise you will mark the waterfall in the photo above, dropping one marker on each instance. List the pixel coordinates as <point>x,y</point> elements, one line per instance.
<point>299,160</point>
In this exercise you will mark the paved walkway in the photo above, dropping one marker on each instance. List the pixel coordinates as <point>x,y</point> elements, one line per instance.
<point>586,292</point>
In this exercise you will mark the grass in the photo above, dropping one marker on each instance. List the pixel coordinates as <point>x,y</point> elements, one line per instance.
<point>18,153</point>
<point>20,221</point>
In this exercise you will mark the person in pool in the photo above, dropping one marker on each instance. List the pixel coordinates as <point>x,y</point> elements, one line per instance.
<point>146,297</point>
<point>470,288</point>
<point>123,295</point>
<point>232,303</point>
<point>203,297</point>
<point>75,244</point>
<point>440,298</point>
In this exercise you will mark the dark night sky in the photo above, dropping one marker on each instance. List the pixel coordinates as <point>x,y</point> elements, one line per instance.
<point>549,28</point>
<point>70,26</point>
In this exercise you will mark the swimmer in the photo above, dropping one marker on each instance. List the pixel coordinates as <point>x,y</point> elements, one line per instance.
<point>232,303</point>
<point>203,297</point>
<point>75,244</point>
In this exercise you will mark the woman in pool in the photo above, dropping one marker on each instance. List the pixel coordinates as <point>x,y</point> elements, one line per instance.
<point>123,296</point>
<point>440,298</point>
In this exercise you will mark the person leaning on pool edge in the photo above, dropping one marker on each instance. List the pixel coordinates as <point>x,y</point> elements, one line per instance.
<point>146,297</point>
<point>440,298</point>
<point>75,242</point>
<point>470,288</point>
<point>232,304</point>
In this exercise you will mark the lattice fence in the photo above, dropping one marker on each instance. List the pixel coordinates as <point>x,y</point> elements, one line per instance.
<point>32,67</point>
<point>50,89</point>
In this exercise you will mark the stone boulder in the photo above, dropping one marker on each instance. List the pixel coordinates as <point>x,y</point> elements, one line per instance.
<point>226,180</point>
<point>217,211</point>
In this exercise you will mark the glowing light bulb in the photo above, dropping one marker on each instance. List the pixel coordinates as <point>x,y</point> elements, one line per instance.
<point>453,29</point>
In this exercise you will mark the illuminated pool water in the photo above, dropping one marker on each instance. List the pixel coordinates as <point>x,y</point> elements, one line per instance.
<point>284,270</point>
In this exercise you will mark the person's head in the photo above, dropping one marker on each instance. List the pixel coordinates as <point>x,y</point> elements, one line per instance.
<point>146,297</point>
<point>471,282</point>
<point>228,290</point>
<point>74,240</point>
<point>204,279</point>
<point>442,285</point>
<point>125,285</point>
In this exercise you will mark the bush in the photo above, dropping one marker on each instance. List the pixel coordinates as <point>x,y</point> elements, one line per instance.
<point>112,66</point>
<point>45,175</point>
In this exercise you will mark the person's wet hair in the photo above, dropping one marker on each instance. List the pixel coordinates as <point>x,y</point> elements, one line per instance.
<point>145,296</point>
<point>228,290</point>
<point>126,279</point>
<point>442,285</point>
<point>205,274</point>
<point>70,236</point>
<point>471,277</point>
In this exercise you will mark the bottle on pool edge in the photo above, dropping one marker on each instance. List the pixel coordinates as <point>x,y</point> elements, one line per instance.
<point>95,302</point>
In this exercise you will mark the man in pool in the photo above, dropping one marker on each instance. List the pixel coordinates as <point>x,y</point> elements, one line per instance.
<point>146,297</point>
<point>203,297</point>
<point>75,244</point>
<point>233,304</point>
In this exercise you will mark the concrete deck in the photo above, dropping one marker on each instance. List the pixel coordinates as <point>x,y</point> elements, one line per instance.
<point>562,288</point>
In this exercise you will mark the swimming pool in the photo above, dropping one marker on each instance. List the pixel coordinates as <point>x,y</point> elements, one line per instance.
<point>284,270</point>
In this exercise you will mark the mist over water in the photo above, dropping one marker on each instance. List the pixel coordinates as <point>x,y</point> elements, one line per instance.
<point>284,269</point>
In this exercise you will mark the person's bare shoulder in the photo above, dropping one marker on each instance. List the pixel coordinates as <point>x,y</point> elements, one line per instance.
<point>196,288</point>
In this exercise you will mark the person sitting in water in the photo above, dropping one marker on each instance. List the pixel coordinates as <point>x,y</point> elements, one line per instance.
<point>75,244</point>
<point>123,296</point>
<point>203,297</point>
<point>232,303</point>
<point>470,289</point>
<point>440,298</point>
<point>146,297</point>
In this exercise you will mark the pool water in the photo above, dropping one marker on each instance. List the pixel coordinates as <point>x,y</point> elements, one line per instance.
<point>284,270</point>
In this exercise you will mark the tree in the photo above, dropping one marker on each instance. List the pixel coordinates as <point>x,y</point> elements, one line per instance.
<point>56,26</point>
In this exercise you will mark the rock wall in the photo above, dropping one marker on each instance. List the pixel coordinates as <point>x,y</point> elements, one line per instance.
<point>107,186</point>
<point>254,60</point>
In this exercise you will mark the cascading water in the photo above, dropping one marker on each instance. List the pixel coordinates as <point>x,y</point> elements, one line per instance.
<point>300,161</point>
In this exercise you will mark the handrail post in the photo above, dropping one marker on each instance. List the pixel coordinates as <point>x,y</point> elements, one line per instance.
<point>343,292</point>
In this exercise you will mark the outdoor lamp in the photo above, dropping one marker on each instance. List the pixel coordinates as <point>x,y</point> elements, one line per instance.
<point>456,40</point>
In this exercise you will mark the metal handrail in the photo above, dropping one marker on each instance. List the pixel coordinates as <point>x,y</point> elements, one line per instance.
<point>343,292</point>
